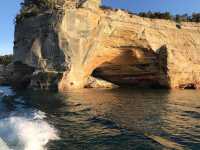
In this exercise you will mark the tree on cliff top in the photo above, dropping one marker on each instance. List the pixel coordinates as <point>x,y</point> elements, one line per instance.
<point>42,4</point>
<point>195,17</point>
<point>156,15</point>
<point>31,8</point>
<point>6,59</point>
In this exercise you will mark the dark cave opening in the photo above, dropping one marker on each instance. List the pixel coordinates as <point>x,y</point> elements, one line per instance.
<point>136,67</point>
<point>188,86</point>
<point>127,79</point>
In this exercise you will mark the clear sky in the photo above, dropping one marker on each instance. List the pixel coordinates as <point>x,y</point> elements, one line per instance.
<point>9,9</point>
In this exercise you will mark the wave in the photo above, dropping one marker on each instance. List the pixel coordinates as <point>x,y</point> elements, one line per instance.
<point>3,145</point>
<point>6,91</point>
<point>25,129</point>
<point>21,133</point>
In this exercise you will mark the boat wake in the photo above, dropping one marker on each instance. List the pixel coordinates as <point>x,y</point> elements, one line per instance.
<point>26,131</point>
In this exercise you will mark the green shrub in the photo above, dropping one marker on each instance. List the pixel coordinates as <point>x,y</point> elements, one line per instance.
<point>6,59</point>
<point>30,8</point>
<point>195,17</point>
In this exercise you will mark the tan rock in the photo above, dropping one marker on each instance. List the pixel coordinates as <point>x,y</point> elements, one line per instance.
<point>99,83</point>
<point>114,45</point>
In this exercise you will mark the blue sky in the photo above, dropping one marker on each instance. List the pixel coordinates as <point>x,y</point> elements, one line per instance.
<point>9,9</point>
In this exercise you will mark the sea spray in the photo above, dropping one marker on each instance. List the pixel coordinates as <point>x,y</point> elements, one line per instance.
<point>6,91</point>
<point>22,133</point>
<point>24,128</point>
<point>3,145</point>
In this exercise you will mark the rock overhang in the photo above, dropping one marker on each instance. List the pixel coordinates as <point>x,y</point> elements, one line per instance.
<point>114,45</point>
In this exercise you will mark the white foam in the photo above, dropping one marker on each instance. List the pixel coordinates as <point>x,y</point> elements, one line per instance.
<point>6,91</point>
<point>3,145</point>
<point>24,133</point>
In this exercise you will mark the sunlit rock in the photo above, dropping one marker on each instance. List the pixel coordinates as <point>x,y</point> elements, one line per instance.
<point>79,39</point>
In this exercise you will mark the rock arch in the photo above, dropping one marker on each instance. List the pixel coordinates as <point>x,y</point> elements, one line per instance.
<point>111,44</point>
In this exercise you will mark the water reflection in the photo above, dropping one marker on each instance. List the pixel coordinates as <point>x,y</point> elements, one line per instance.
<point>134,110</point>
<point>122,118</point>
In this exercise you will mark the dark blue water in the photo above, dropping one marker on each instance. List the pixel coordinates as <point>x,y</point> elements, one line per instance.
<point>89,119</point>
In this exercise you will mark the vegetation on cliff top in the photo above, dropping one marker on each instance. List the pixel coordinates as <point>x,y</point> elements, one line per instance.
<point>31,8</point>
<point>6,59</point>
<point>195,17</point>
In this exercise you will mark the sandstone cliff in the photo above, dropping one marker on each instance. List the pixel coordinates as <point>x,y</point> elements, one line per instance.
<point>86,40</point>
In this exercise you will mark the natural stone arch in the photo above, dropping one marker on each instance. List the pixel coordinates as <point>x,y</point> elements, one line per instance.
<point>91,40</point>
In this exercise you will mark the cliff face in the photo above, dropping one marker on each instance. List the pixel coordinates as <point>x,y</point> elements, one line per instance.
<point>115,46</point>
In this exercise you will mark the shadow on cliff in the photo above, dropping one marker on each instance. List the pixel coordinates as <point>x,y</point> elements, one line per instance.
<point>134,67</point>
<point>137,68</point>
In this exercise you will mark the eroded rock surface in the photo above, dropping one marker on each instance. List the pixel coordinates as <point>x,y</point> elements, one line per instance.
<point>118,47</point>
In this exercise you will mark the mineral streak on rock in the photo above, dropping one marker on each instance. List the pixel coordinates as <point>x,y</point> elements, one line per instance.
<point>80,39</point>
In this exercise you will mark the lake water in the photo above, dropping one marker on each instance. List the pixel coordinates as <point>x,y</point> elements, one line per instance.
<point>91,119</point>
